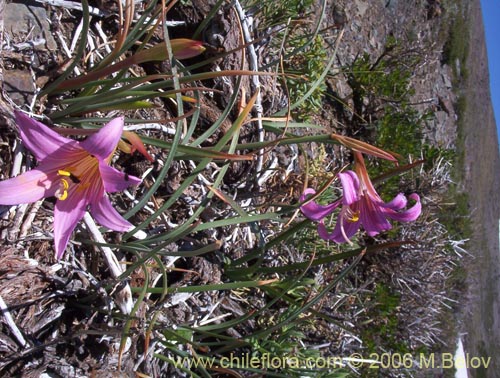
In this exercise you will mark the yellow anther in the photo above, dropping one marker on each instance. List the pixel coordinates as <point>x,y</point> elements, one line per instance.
<point>62,192</point>
<point>61,172</point>
<point>65,184</point>
<point>62,196</point>
<point>353,217</point>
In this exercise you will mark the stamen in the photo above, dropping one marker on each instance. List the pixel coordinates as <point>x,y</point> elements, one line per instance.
<point>62,196</point>
<point>73,178</point>
<point>345,213</point>
<point>62,192</point>
<point>353,216</point>
<point>342,230</point>
<point>82,174</point>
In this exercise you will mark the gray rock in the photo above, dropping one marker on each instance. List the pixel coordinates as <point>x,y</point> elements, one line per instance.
<point>18,84</point>
<point>28,22</point>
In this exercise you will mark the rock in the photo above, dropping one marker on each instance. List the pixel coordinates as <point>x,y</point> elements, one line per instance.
<point>446,80</point>
<point>362,7</point>
<point>370,25</point>
<point>19,86</point>
<point>28,23</point>
<point>446,105</point>
<point>339,16</point>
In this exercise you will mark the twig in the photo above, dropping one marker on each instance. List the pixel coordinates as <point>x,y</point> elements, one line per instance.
<point>167,23</point>
<point>92,47</point>
<point>18,219</point>
<point>10,323</point>
<point>76,36</point>
<point>252,61</point>
<point>268,172</point>
<point>123,296</point>
<point>73,5</point>
<point>18,158</point>
<point>66,49</point>
<point>101,33</point>
<point>30,45</point>
<point>29,219</point>
<point>151,126</point>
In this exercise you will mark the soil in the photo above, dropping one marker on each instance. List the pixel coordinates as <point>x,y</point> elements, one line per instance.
<point>47,297</point>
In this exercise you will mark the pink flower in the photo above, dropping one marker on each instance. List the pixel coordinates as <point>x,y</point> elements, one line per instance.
<point>360,205</point>
<point>76,173</point>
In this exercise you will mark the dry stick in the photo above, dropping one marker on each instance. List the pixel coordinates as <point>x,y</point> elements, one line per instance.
<point>21,209</point>
<point>92,47</point>
<point>29,219</point>
<point>72,5</point>
<point>151,126</point>
<point>18,159</point>
<point>16,223</point>
<point>66,50</point>
<point>10,323</point>
<point>103,36</point>
<point>252,61</point>
<point>123,296</point>
<point>76,36</point>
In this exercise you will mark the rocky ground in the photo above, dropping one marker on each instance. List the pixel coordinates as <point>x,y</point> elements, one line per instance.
<point>418,24</point>
<point>366,25</point>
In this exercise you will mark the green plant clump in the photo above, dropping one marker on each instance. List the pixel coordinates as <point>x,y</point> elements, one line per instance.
<point>456,47</point>
<point>272,13</point>
<point>382,331</point>
<point>310,64</point>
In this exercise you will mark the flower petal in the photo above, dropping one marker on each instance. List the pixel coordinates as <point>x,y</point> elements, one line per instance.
<point>312,210</point>
<point>103,143</point>
<point>137,144</point>
<point>105,214</point>
<point>410,214</point>
<point>66,215</point>
<point>27,187</point>
<point>372,216</point>
<point>350,186</point>
<point>399,202</point>
<point>41,140</point>
<point>183,48</point>
<point>350,228</point>
<point>114,180</point>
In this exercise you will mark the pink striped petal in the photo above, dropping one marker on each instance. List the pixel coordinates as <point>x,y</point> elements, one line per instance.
<point>314,211</point>
<point>399,202</point>
<point>372,217</point>
<point>67,214</point>
<point>410,214</point>
<point>114,180</point>
<point>106,215</point>
<point>27,187</point>
<point>41,140</point>
<point>103,143</point>
<point>350,228</point>
<point>350,187</point>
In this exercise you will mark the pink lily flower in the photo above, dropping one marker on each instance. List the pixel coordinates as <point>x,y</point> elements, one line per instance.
<point>76,173</point>
<point>360,206</point>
